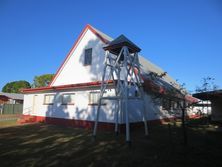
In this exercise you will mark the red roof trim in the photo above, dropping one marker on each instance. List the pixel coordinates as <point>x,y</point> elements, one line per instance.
<point>191,99</point>
<point>149,85</point>
<point>97,34</point>
<point>88,27</point>
<point>64,87</point>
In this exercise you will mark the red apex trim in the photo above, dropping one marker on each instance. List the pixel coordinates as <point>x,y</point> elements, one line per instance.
<point>88,27</point>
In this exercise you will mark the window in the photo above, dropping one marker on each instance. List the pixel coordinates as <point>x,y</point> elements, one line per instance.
<point>178,105</point>
<point>166,104</point>
<point>88,57</point>
<point>68,99</point>
<point>49,99</point>
<point>174,105</point>
<point>94,98</point>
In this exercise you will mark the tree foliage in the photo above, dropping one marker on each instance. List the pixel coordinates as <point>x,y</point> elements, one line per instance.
<point>15,86</point>
<point>42,80</point>
<point>207,85</point>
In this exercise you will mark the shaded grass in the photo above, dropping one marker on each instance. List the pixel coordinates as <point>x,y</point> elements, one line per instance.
<point>49,145</point>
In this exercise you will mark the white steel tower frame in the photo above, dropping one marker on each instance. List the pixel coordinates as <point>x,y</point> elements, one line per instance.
<point>123,69</point>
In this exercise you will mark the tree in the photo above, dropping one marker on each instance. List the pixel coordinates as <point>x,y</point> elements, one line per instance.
<point>16,86</point>
<point>207,85</point>
<point>174,94</point>
<point>42,80</point>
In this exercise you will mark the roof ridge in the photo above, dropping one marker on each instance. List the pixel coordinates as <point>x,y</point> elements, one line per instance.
<point>102,34</point>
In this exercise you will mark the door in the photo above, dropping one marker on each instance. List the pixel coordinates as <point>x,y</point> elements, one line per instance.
<point>34,104</point>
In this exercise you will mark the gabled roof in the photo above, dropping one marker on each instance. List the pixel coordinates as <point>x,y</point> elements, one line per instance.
<point>101,34</point>
<point>14,96</point>
<point>146,65</point>
<point>103,37</point>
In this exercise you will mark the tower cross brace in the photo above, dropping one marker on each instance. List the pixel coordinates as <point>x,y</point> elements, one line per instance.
<point>123,69</point>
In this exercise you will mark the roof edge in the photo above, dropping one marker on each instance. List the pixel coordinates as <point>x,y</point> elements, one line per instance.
<point>65,87</point>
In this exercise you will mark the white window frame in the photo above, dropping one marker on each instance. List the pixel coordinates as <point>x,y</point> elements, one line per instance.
<point>92,100</point>
<point>72,102</point>
<point>50,101</point>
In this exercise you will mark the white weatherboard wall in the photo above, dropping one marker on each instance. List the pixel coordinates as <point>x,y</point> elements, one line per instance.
<point>74,70</point>
<point>81,110</point>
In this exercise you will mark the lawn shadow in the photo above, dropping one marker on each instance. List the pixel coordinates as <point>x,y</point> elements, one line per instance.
<point>50,145</point>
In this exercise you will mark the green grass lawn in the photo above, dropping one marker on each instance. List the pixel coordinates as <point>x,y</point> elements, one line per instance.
<point>49,145</point>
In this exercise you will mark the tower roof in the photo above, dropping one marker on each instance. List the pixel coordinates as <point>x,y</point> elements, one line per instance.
<point>115,45</point>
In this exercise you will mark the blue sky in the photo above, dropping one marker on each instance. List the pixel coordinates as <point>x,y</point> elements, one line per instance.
<point>184,37</point>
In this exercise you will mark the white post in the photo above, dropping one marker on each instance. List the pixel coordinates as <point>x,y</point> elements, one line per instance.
<point>97,119</point>
<point>101,94</point>
<point>142,95</point>
<point>116,116</point>
<point>125,95</point>
<point>144,114</point>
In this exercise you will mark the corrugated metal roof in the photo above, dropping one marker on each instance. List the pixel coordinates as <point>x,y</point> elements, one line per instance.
<point>146,65</point>
<point>105,36</point>
<point>14,96</point>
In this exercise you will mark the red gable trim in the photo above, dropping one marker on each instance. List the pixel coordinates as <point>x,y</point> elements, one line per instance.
<point>97,34</point>
<point>88,27</point>
<point>64,87</point>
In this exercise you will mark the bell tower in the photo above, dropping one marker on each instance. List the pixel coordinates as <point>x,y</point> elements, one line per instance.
<point>122,68</point>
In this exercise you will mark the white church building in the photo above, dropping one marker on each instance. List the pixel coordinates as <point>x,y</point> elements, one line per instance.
<point>72,97</point>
